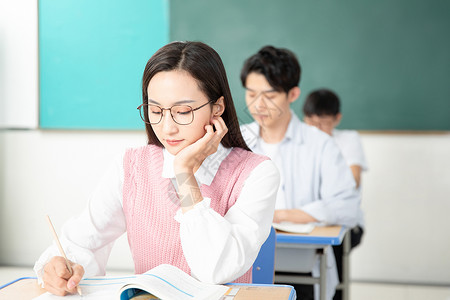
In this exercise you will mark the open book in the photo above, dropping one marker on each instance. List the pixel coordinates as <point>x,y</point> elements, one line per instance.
<point>162,282</point>
<point>294,227</point>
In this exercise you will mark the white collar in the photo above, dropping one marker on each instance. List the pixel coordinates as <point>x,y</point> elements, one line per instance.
<point>290,134</point>
<point>207,171</point>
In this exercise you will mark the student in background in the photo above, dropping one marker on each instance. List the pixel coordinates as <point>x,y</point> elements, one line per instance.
<point>316,184</point>
<point>322,110</point>
<point>195,197</point>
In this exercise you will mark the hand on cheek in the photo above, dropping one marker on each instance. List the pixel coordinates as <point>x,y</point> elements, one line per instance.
<point>190,158</point>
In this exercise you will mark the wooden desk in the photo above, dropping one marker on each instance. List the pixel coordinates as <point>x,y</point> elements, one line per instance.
<point>27,289</point>
<point>298,253</point>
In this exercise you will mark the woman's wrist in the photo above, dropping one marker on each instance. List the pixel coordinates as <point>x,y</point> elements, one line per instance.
<point>188,190</point>
<point>183,168</point>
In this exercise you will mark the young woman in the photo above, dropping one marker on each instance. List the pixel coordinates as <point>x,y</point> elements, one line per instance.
<point>194,197</point>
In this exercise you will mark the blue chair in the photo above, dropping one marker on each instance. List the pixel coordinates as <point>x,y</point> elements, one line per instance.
<point>264,265</point>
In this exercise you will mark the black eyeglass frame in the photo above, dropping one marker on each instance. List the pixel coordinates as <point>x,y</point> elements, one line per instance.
<point>145,115</point>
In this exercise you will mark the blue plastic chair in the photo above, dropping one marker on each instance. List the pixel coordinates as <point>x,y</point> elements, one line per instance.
<point>264,265</point>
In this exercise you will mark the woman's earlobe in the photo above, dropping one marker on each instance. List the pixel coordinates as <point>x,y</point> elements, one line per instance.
<point>219,107</point>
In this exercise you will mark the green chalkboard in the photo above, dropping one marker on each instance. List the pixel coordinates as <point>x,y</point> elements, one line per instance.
<point>389,61</point>
<point>91,57</point>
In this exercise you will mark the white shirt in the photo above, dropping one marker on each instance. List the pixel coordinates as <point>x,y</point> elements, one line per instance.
<point>351,148</point>
<point>316,179</point>
<point>273,152</point>
<point>350,145</point>
<point>315,175</point>
<point>217,249</point>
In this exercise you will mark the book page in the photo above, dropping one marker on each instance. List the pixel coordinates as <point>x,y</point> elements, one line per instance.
<point>97,288</point>
<point>169,282</point>
<point>165,281</point>
<point>294,227</point>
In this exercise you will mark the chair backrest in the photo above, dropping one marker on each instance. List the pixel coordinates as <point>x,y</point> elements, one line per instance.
<point>264,265</point>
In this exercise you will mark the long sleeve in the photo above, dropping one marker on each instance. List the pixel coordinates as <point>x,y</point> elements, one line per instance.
<point>88,238</point>
<point>220,249</point>
<point>315,176</point>
<point>339,201</point>
<point>349,142</point>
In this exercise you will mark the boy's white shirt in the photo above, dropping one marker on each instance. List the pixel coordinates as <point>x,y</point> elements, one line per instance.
<point>349,143</point>
<point>315,175</point>
<point>315,178</point>
<point>351,148</point>
<point>218,249</point>
<point>273,152</point>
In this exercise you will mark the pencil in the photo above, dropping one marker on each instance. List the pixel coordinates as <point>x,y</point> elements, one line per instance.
<point>61,250</point>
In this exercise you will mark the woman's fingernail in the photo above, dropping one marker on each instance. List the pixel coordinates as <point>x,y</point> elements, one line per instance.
<point>71,284</point>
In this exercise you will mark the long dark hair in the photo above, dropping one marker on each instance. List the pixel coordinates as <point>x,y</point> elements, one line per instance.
<point>204,64</point>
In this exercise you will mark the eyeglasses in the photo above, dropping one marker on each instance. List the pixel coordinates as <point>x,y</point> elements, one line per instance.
<point>181,114</point>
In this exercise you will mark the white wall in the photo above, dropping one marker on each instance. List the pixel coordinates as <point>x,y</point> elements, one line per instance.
<point>406,199</point>
<point>51,172</point>
<point>18,64</point>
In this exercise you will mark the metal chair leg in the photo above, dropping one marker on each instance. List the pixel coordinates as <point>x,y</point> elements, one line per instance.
<point>346,266</point>
<point>323,273</point>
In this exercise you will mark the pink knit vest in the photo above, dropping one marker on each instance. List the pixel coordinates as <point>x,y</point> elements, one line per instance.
<point>150,203</point>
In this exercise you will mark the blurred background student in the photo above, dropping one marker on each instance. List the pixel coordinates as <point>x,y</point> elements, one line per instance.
<point>316,184</point>
<point>322,110</point>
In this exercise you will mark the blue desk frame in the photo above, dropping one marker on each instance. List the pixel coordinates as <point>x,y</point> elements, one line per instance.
<point>290,238</point>
<point>321,242</point>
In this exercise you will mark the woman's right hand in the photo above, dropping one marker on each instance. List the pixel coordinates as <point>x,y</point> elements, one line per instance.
<point>189,159</point>
<point>57,278</point>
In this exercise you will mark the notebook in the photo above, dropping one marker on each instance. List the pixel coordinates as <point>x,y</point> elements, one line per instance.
<point>294,227</point>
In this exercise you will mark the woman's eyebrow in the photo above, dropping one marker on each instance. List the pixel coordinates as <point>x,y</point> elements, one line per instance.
<point>186,101</point>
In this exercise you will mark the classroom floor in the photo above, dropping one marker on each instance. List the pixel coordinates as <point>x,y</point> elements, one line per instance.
<point>358,290</point>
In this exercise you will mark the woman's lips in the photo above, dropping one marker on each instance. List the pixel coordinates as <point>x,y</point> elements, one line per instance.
<point>173,142</point>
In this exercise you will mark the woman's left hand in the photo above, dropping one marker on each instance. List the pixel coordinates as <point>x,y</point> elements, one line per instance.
<point>190,158</point>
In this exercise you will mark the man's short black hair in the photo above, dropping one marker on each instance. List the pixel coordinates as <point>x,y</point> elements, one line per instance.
<point>322,102</point>
<point>280,67</point>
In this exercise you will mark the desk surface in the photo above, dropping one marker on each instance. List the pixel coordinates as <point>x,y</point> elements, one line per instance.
<point>321,235</point>
<point>27,289</point>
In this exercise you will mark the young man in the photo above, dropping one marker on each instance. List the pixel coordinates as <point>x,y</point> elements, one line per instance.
<point>316,184</point>
<point>322,110</point>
